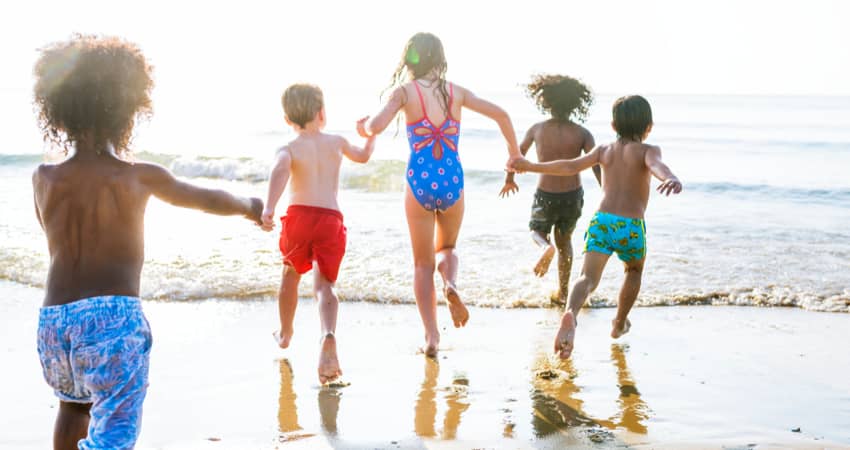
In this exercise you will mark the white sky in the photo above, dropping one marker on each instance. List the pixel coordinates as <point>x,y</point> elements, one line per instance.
<point>214,56</point>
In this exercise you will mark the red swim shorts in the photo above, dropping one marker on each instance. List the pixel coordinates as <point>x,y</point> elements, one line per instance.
<point>312,234</point>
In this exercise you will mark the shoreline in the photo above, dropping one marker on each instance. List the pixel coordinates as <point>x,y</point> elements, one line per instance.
<point>685,377</point>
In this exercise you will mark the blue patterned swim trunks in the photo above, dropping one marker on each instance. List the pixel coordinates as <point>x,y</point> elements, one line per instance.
<point>97,350</point>
<point>609,233</point>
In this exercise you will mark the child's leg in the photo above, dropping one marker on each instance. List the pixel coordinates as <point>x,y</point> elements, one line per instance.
<point>542,241</point>
<point>420,222</point>
<point>628,294</point>
<point>287,301</point>
<point>328,306</point>
<point>591,273</point>
<point>563,241</point>
<point>448,227</point>
<point>72,423</point>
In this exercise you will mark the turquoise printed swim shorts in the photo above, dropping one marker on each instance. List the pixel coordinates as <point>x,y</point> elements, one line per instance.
<point>97,351</point>
<point>609,233</point>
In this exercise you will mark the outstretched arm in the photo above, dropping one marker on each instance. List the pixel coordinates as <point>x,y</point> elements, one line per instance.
<point>35,196</point>
<point>589,144</point>
<point>559,167</point>
<point>166,187</point>
<point>510,186</point>
<point>381,120</point>
<point>355,153</point>
<point>277,183</point>
<point>496,113</point>
<point>669,183</point>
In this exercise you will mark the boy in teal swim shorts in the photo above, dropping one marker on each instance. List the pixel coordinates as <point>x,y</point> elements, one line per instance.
<point>93,338</point>
<point>618,226</point>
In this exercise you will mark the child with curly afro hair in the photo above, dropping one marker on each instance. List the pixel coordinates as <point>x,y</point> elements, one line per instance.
<point>93,338</point>
<point>558,200</point>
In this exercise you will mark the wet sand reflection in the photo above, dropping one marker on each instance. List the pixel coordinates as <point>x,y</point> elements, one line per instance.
<point>557,408</point>
<point>425,408</point>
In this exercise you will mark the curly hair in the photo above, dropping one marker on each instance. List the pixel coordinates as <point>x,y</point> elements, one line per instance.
<point>301,103</point>
<point>93,86</point>
<point>561,96</point>
<point>423,55</point>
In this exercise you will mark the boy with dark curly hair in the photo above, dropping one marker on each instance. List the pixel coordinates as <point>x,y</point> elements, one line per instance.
<point>618,226</point>
<point>93,338</point>
<point>558,199</point>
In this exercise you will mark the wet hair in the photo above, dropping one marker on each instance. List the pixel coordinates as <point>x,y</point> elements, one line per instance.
<point>560,96</point>
<point>301,102</point>
<point>90,85</point>
<point>423,55</point>
<point>632,117</point>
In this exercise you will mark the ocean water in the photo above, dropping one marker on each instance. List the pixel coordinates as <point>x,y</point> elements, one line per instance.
<point>763,219</point>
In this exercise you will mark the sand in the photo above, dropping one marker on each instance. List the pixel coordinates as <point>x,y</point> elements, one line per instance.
<point>685,377</point>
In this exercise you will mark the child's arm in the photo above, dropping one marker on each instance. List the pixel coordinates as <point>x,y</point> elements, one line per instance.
<point>497,114</point>
<point>510,186</point>
<point>382,120</point>
<point>589,144</point>
<point>162,183</point>
<point>561,167</point>
<point>278,178</point>
<point>669,183</point>
<point>355,153</point>
<point>35,186</point>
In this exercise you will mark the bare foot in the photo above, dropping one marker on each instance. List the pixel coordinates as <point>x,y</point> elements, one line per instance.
<point>618,330</point>
<point>328,363</point>
<point>542,265</point>
<point>566,335</point>
<point>460,315</point>
<point>282,339</point>
<point>431,345</point>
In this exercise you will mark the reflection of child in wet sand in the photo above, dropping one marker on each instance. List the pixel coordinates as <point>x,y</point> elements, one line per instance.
<point>312,229</point>
<point>618,226</point>
<point>559,199</point>
<point>94,341</point>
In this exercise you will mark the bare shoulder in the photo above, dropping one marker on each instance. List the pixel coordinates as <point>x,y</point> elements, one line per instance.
<point>460,92</point>
<point>282,151</point>
<point>148,172</point>
<point>335,142</point>
<point>584,131</point>
<point>651,149</point>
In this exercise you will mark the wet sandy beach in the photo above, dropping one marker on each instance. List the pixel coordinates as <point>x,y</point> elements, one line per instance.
<point>685,377</point>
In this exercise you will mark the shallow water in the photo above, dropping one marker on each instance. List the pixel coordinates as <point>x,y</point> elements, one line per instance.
<point>762,220</point>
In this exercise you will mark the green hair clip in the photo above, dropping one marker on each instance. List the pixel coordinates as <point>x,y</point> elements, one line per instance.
<point>412,56</point>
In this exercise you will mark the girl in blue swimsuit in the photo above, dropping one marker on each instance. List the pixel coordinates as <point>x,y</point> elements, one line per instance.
<point>434,199</point>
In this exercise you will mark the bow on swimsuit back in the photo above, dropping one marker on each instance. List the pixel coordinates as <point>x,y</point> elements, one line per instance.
<point>434,172</point>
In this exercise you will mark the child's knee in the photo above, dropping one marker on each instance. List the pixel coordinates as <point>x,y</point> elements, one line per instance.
<point>325,289</point>
<point>425,266</point>
<point>633,269</point>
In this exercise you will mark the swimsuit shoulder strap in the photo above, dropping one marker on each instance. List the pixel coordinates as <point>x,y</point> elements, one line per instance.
<point>451,96</point>
<point>421,100</point>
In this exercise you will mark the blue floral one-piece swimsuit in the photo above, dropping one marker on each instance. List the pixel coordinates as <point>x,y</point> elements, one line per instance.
<point>434,172</point>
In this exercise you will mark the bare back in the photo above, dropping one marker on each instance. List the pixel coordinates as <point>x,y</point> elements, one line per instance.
<point>625,178</point>
<point>432,101</point>
<point>92,209</point>
<point>93,216</point>
<point>555,140</point>
<point>315,163</point>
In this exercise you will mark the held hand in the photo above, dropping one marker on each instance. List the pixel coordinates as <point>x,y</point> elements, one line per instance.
<point>267,220</point>
<point>670,186</point>
<point>509,188</point>
<point>256,210</point>
<point>519,165</point>
<point>361,128</point>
